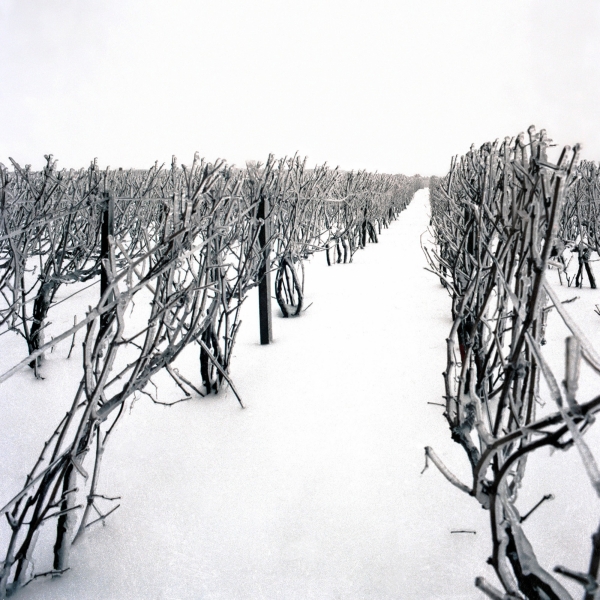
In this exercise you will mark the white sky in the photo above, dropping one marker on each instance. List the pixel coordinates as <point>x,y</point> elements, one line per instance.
<point>393,86</point>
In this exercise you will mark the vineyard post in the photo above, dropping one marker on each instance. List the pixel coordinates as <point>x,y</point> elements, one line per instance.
<point>264,275</point>
<point>108,214</point>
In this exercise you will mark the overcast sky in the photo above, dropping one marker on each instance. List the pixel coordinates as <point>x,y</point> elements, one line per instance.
<point>386,85</point>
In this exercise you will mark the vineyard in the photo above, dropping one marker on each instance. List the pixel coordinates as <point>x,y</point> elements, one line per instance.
<point>153,268</point>
<point>170,255</point>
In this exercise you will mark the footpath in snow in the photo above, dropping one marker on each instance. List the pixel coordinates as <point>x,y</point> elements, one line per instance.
<point>314,490</point>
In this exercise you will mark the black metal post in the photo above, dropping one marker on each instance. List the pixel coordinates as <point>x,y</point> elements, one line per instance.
<point>108,229</point>
<point>264,274</point>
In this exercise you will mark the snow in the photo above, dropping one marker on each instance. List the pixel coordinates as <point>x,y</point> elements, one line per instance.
<point>314,491</point>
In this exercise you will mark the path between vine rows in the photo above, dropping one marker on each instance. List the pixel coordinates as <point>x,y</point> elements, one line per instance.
<point>314,490</point>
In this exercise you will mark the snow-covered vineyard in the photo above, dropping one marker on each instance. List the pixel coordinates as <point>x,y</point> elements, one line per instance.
<point>319,465</point>
<point>299,300</point>
<point>314,490</point>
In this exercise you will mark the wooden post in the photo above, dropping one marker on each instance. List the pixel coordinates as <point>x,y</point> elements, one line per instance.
<point>264,276</point>
<point>108,229</point>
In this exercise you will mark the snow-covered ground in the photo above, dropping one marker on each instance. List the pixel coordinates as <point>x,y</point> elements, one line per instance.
<point>314,491</point>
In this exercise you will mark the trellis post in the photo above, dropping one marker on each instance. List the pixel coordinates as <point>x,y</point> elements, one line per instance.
<point>264,275</point>
<point>107,230</point>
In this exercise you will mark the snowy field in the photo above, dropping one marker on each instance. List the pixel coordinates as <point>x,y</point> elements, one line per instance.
<point>314,491</point>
